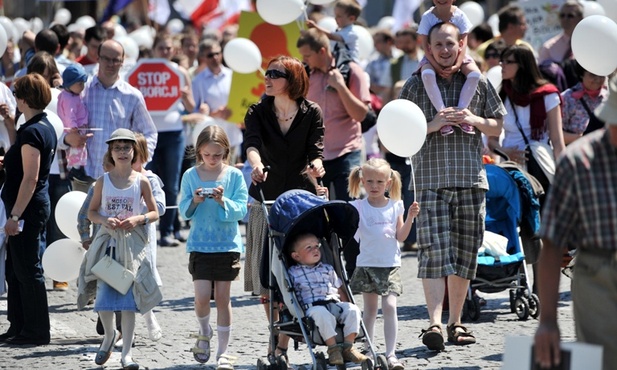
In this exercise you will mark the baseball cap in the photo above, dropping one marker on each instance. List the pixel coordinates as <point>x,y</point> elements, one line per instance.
<point>72,74</point>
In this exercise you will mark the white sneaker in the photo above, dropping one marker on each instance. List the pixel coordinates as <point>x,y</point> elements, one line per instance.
<point>394,363</point>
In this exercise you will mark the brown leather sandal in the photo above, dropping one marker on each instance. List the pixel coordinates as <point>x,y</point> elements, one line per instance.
<point>459,337</point>
<point>433,339</point>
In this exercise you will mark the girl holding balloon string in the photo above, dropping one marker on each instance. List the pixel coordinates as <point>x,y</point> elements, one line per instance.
<point>380,231</point>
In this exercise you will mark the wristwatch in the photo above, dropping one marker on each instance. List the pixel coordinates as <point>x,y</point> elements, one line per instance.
<point>146,220</point>
<point>15,218</point>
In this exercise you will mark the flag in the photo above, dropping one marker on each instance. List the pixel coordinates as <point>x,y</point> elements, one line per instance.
<point>159,11</point>
<point>113,7</point>
<point>212,13</point>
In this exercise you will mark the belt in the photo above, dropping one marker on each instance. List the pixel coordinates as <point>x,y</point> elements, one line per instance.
<point>320,303</point>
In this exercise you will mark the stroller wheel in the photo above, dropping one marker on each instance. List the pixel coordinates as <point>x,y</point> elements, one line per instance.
<point>261,365</point>
<point>534,306</point>
<point>382,363</point>
<point>321,364</point>
<point>472,308</point>
<point>367,364</point>
<point>521,304</point>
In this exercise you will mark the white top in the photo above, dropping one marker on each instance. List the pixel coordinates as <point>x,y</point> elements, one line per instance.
<point>459,19</point>
<point>512,135</point>
<point>377,234</point>
<point>120,203</point>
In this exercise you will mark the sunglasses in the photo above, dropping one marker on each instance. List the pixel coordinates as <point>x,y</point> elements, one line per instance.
<point>274,74</point>
<point>212,55</point>
<point>567,15</point>
<point>491,55</point>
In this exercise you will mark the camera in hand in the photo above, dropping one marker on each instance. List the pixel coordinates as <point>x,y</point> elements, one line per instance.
<point>207,192</point>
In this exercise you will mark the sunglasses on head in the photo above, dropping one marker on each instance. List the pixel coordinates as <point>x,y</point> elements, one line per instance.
<point>274,74</point>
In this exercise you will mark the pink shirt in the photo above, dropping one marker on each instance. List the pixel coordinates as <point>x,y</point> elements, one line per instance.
<point>72,110</point>
<point>556,49</point>
<point>342,133</point>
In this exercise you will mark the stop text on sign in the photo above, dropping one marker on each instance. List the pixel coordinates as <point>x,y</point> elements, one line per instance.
<point>160,83</point>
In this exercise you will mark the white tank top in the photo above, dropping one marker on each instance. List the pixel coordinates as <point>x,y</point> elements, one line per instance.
<point>121,203</point>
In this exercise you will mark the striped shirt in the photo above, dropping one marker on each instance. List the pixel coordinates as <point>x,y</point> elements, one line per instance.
<point>581,208</point>
<point>454,160</point>
<point>118,106</point>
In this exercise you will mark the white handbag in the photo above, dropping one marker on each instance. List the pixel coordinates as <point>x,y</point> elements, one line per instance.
<point>114,274</point>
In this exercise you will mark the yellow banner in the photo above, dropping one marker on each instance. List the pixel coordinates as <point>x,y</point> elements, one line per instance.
<point>272,41</point>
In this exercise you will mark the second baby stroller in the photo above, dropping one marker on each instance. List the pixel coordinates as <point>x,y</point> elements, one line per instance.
<point>511,203</point>
<point>297,212</point>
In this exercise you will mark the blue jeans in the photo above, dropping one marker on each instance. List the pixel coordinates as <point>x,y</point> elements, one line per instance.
<point>166,163</point>
<point>337,173</point>
<point>27,308</point>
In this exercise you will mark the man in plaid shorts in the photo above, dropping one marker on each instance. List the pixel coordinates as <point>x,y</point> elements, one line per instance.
<point>451,184</point>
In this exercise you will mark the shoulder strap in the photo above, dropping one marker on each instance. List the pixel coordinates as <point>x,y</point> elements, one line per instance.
<point>518,124</point>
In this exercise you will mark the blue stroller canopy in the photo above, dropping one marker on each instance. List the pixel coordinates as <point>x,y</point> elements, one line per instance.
<point>299,211</point>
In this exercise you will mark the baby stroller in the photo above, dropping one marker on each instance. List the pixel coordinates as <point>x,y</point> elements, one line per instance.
<point>511,203</point>
<point>296,212</point>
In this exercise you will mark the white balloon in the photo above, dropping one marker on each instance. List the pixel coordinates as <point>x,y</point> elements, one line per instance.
<point>21,25</point>
<point>175,26</point>
<point>386,22</point>
<point>493,76</point>
<point>401,126</point>
<point>365,42</point>
<point>588,34</point>
<point>131,49</point>
<point>67,209</point>
<point>119,30</point>
<point>62,260</point>
<point>9,28</point>
<point>493,21</point>
<point>328,23</point>
<point>592,8</point>
<point>143,36</point>
<point>53,118</point>
<point>242,55</point>
<point>62,16</point>
<point>610,8</point>
<point>36,25</point>
<point>3,41</point>
<point>320,2</point>
<point>279,12</point>
<point>85,21</point>
<point>473,11</point>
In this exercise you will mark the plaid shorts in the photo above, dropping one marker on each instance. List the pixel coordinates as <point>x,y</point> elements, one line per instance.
<point>450,231</point>
<point>378,280</point>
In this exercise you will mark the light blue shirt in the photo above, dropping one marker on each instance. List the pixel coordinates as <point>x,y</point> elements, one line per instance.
<point>214,228</point>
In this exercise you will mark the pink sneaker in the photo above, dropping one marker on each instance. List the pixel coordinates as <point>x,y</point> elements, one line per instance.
<point>468,129</point>
<point>446,130</point>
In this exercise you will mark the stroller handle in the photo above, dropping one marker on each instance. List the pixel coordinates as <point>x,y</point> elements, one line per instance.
<point>258,186</point>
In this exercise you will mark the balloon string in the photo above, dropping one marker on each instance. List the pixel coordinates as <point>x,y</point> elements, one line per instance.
<point>413,179</point>
<point>263,73</point>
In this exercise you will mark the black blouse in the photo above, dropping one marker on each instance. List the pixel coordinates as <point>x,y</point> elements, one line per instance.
<point>286,154</point>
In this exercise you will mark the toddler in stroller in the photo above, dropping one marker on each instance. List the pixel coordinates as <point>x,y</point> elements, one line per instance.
<point>306,229</point>
<point>317,287</point>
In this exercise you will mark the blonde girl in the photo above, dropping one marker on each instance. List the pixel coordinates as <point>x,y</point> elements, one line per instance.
<point>214,196</point>
<point>380,231</point>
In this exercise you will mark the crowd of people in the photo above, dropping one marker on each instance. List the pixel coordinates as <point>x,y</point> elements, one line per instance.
<point>307,132</point>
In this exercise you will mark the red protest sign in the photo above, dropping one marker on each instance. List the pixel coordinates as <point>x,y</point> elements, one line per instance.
<point>159,81</point>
